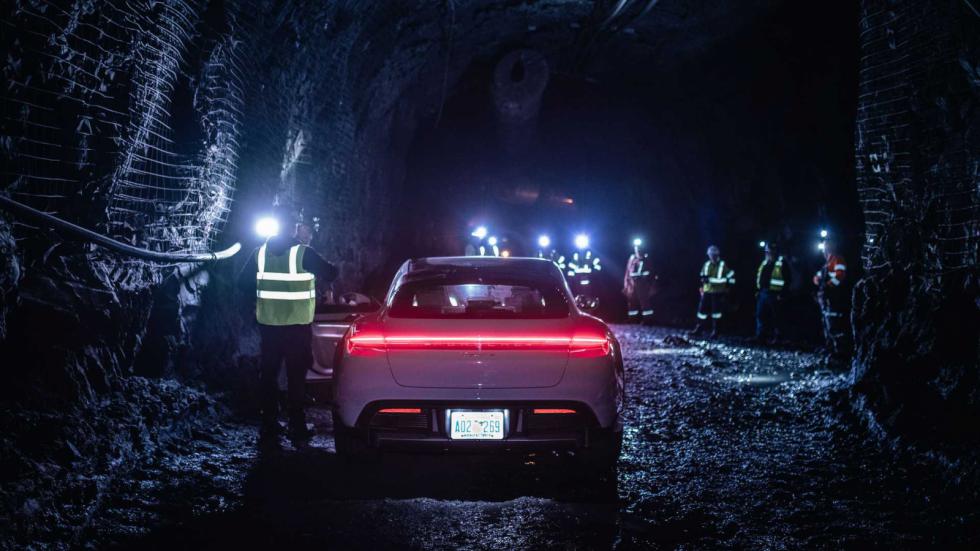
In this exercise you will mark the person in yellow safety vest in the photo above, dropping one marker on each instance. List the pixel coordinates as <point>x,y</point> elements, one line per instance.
<point>716,279</point>
<point>286,273</point>
<point>771,281</point>
<point>834,301</point>
<point>638,284</point>
<point>580,269</point>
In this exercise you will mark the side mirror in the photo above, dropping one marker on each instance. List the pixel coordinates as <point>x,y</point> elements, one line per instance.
<point>586,302</point>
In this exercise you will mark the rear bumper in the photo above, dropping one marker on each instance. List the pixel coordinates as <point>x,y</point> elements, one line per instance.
<point>361,382</point>
<point>428,430</point>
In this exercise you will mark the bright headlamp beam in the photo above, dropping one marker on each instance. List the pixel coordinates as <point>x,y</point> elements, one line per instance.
<point>480,232</point>
<point>544,241</point>
<point>582,241</point>
<point>267,227</point>
<point>637,242</point>
<point>823,234</point>
<point>492,241</point>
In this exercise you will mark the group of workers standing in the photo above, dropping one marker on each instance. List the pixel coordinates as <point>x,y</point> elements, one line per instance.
<point>772,281</point>
<point>287,270</point>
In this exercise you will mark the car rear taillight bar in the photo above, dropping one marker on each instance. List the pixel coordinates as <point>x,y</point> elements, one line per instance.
<point>553,411</point>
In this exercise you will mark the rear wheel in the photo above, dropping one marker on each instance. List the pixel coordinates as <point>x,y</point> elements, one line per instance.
<point>350,442</point>
<point>602,455</point>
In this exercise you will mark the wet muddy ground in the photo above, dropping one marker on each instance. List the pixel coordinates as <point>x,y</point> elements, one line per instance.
<point>725,445</point>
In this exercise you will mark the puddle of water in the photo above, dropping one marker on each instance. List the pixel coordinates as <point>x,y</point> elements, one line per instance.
<point>757,379</point>
<point>666,351</point>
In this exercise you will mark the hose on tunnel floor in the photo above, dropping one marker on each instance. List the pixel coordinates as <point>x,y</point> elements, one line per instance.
<point>19,208</point>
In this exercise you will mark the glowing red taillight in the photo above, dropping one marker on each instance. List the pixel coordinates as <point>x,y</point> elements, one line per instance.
<point>553,411</point>
<point>364,340</point>
<point>400,410</point>
<point>589,346</point>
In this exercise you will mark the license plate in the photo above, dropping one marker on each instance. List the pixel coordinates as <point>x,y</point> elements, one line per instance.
<point>476,425</point>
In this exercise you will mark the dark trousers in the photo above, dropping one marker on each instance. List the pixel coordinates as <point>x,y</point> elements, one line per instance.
<point>836,325</point>
<point>640,301</point>
<point>712,307</point>
<point>292,344</point>
<point>767,315</point>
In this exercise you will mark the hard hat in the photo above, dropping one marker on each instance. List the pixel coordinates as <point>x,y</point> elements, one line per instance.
<point>713,249</point>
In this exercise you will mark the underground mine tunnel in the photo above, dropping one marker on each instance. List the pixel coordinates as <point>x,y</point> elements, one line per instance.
<point>440,274</point>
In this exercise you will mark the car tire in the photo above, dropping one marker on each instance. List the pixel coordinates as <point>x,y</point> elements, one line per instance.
<point>602,455</point>
<point>351,443</point>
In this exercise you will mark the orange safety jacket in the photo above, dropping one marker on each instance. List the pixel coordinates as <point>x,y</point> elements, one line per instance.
<point>831,274</point>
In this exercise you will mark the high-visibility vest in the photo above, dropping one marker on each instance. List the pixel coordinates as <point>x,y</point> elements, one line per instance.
<point>717,277</point>
<point>286,293</point>
<point>776,281</point>
<point>638,267</point>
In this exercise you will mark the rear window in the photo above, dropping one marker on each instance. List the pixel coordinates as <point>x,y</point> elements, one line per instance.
<point>478,300</point>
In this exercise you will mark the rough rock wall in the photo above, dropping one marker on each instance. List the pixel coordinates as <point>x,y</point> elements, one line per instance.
<point>916,314</point>
<point>122,117</point>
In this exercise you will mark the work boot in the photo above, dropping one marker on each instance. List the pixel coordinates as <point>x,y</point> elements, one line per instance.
<point>269,436</point>
<point>269,428</point>
<point>299,434</point>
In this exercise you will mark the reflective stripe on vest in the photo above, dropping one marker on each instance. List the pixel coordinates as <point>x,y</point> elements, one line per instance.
<point>286,294</point>
<point>720,281</point>
<point>638,270</point>
<point>776,281</point>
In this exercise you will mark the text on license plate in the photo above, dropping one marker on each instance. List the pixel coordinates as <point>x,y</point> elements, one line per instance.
<point>476,425</point>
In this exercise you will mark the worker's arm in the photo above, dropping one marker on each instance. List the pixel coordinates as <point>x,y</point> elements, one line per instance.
<point>245,280</point>
<point>626,276</point>
<point>837,272</point>
<point>315,264</point>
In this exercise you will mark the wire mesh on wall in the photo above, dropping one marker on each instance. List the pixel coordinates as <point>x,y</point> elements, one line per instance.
<point>123,115</point>
<point>918,164</point>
